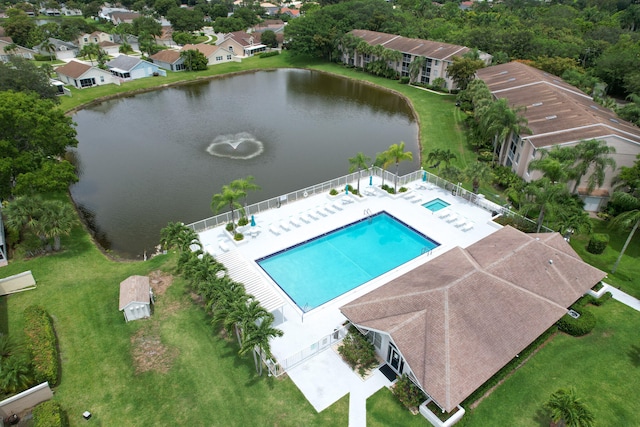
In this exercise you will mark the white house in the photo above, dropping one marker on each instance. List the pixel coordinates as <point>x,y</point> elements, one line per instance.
<point>135,298</point>
<point>83,75</point>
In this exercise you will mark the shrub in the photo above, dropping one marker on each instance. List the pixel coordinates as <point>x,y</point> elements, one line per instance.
<point>49,414</point>
<point>404,80</point>
<point>358,352</point>
<point>402,190</point>
<point>485,156</point>
<point>580,326</point>
<point>268,54</point>
<point>41,344</point>
<point>230,226</point>
<point>238,236</point>
<point>243,221</point>
<point>597,243</point>
<point>604,298</point>
<point>333,192</point>
<point>43,58</point>
<point>408,393</point>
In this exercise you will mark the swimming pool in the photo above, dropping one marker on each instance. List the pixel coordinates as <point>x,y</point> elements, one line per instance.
<point>321,269</point>
<point>435,205</point>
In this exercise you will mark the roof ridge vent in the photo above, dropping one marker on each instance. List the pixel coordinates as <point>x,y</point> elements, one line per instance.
<point>504,72</point>
<point>551,117</point>
<point>511,79</point>
<point>614,120</point>
<point>536,104</point>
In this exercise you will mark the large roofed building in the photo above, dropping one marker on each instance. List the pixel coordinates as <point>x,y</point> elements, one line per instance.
<point>452,323</point>
<point>438,55</point>
<point>558,114</point>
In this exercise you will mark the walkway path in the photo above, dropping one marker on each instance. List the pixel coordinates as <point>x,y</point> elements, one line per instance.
<point>623,297</point>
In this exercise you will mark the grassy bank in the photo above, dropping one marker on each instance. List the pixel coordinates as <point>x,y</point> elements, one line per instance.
<point>198,380</point>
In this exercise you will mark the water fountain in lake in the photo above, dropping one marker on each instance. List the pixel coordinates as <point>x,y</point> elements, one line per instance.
<point>240,146</point>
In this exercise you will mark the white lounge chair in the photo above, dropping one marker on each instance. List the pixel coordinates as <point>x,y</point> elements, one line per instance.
<point>274,229</point>
<point>304,217</point>
<point>468,226</point>
<point>443,214</point>
<point>409,196</point>
<point>320,211</point>
<point>223,245</point>
<point>284,225</point>
<point>417,200</point>
<point>453,218</point>
<point>336,206</point>
<point>327,207</point>
<point>346,200</point>
<point>293,221</point>
<point>462,222</point>
<point>312,215</point>
<point>369,191</point>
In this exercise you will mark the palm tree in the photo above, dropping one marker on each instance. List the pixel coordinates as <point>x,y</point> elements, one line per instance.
<point>545,197</point>
<point>592,154</point>
<point>452,174</point>
<point>227,198</point>
<point>358,163</point>
<point>257,337</point>
<point>49,47</point>
<point>630,218</point>
<point>416,66</point>
<point>382,162</point>
<point>554,164</point>
<point>438,156</point>
<point>90,50</point>
<point>58,219</point>
<point>568,410</point>
<point>396,154</point>
<point>478,173</point>
<point>244,185</point>
<point>15,374</point>
<point>502,121</point>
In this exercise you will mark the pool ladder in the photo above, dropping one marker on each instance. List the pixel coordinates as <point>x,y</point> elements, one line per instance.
<point>367,212</point>
<point>425,250</point>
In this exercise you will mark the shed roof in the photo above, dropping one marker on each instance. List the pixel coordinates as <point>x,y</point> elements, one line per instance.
<point>134,289</point>
<point>557,112</point>
<point>461,317</point>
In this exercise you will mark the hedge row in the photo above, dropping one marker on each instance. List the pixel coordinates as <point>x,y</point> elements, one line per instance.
<point>41,344</point>
<point>580,326</point>
<point>598,243</point>
<point>49,414</point>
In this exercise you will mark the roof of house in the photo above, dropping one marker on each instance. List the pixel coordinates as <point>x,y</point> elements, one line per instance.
<point>557,112</point>
<point>242,37</point>
<point>417,47</point>
<point>293,12</point>
<point>6,39</point>
<point>107,43</point>
<point>124,62</point>
<point>125,16</point>
<point>458,319</point>
<point>168,55</point>
<point>73,69</point>
<point>134,289</point>
<point>206,49</point>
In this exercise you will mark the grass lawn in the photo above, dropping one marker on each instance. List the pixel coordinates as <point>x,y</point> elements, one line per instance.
<point>627,276</point>
<point>603,366</point>
<point>206,382</point>
<point>383,410</point>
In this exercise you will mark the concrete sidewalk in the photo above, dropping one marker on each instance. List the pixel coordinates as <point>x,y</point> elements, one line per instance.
<point>623,297</point>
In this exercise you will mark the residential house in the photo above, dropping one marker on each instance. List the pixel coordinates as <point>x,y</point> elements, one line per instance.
<point>6,52</point>
<point>270,8</point>
<point>96,37</point>
<point>438,55</point>
<point>70,12</point>
<point>82,75</point>
<point>132,67</point>
<point>63,50</point>
<point>558,114</point>
<point>214,54</point>
<point>136,297</point>
<point>454,322</point>
<point>166,37</point>
<point>127,17</point>
<point>241,43</point>
<point>168,59</point>
<point>294,13</point>
<point>275,25</point>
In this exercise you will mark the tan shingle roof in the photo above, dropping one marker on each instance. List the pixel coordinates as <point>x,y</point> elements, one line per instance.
<point>419,47</point>
<point>134,289</point>
<point>461,317</point>
<point>73,69</point>
<point>167,55</point>
<point>557,112</point>
<point>206,49</point>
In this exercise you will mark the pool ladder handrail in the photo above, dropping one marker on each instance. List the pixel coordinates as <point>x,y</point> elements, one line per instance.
<point>367,212</point>
<point>426,250</point>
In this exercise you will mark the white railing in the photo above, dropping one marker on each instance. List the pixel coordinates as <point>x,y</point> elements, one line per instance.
<point>387,178</point>
<point>279,367</point>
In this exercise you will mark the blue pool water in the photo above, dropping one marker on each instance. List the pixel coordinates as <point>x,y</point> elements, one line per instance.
<point>435,205</point>
<point>326,267</point>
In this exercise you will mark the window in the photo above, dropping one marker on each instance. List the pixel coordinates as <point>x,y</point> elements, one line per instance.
<point>179,67</point>
<point>377,340</point>
<point>228,57</point>
<point>101,79</point>
<point>533,153</point>
<point>86,39</point>
<point>437,62</point>
<point>230,48</point>
<point>218,58</point>
<point>87,82</point>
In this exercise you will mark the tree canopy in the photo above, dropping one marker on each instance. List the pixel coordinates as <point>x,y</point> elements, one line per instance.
<point>21,75</point>
<point>33,133</point>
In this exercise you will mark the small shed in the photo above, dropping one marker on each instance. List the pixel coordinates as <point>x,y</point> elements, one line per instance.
<point>135,297</point>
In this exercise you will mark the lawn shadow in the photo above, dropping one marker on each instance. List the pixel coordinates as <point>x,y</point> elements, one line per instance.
<point>4,315</point>
<point>542,418</point>
<point>634,355</point>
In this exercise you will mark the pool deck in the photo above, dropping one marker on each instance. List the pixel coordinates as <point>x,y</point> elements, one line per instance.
<point>325,378</point>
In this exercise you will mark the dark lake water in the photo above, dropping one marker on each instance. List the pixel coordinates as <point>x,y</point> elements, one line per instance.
<point>157,157</point>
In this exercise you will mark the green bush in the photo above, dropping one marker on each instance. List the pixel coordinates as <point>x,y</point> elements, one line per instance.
<point>358,352</point>
<point>43,58</point>
<point>333,192</point>
<point>604,298</point>
<point>408,393</point>
<point>268,54</point>
<point>243,221</point>
<point>49,414</point>
<point>41,344</point>
<point>402,190</point>
<point>230,226</point>
<point>404,80</point>
<point>580,326</point>
<point>238,236</point>
<point>597,243</point>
